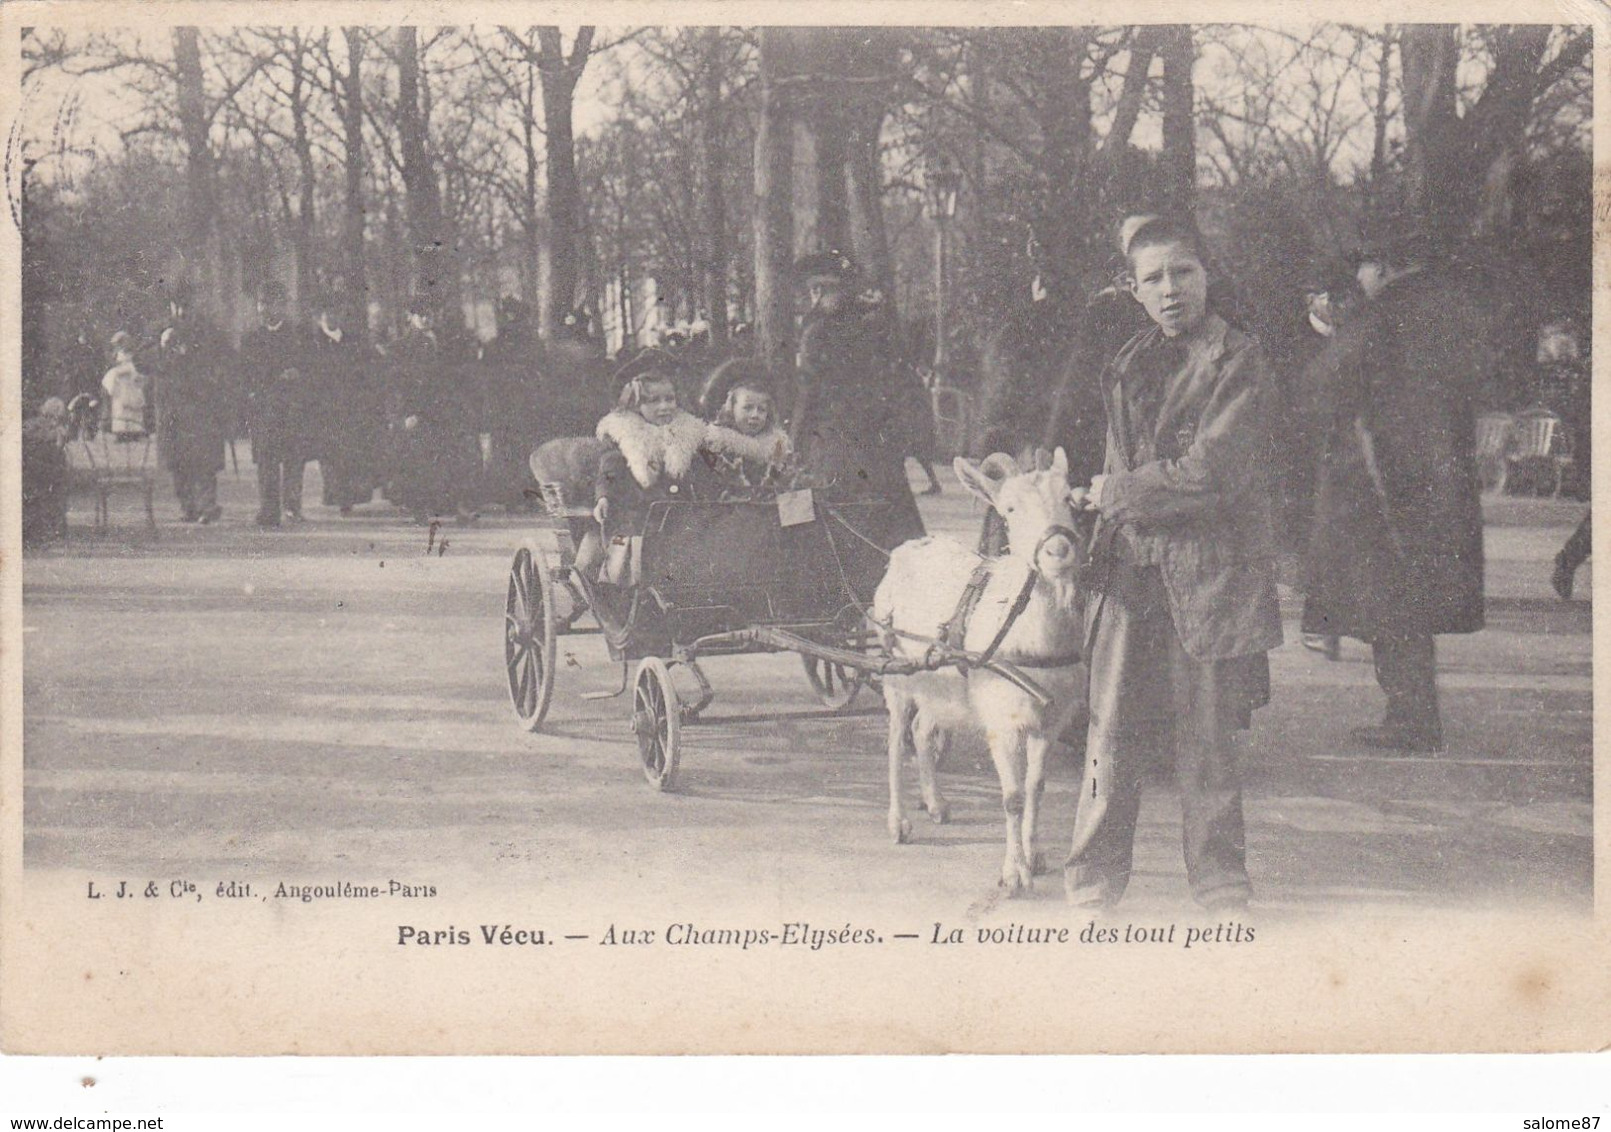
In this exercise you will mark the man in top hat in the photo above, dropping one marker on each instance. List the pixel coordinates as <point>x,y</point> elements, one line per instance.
<point>848,435</point>
<point>1396,553</point>
<point>274,371</point>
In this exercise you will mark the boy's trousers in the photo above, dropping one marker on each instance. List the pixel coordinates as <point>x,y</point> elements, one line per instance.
<point>1149,700</point>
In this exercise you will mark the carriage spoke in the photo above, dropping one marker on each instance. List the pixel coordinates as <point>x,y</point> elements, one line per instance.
<point>524,687</point>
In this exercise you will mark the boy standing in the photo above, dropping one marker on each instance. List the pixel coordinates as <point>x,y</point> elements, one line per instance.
<point>1184,608</point>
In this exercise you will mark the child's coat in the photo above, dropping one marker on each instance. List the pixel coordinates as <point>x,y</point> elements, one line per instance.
<point>742,460</point>
<point>643,463</point>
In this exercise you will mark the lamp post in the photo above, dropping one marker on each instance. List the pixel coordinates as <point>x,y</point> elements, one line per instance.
<point>942,179</point>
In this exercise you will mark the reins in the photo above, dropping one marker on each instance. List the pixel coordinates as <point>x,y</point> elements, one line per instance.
<point>954,630</point>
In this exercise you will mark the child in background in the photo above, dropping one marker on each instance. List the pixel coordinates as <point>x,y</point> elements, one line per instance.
<point>745,444</point>
<point>126,391</point>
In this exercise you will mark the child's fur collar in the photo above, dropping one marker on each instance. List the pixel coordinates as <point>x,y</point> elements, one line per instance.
<point>654,450</point>
<point>768,447</point>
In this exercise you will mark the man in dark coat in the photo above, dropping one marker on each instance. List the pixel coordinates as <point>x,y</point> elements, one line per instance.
<point>352,415</point>
<point>511,386</point>
<point>274,370</point>
<point>195,382</point>
<point>435,455</point>
<point>850,438</point>
<point>1396,554</point>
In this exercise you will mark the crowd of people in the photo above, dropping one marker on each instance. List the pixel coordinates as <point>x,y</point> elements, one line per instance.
<point>438,424</point>
<point>1192,451</point>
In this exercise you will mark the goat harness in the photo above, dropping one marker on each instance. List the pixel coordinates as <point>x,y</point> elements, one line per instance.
<point>953,631</point>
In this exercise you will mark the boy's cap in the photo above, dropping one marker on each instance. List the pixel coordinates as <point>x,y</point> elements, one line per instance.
<point>830,264</point>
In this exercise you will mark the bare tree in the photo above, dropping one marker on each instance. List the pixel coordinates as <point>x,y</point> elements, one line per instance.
<point>356,291</point>
<point>1460,167</point>
<point>559,73</point>
<point>433,269</point>
<point>200,240</point>
<point>773,211</point>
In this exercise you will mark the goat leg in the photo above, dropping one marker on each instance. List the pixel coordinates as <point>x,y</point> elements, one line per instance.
<point>1037,747</point>
<point>932,741</point>
<point>1008,753</point>
<point>901,710</point>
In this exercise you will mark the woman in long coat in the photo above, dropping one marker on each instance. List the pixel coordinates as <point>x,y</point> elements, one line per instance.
<point>849,436</point>
<point>353,425</point>
<point>1396,553</point>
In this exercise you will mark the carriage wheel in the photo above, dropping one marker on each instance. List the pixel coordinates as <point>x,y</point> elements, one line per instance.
<point>657,722</point>
<point>836,685</point>
<point>528,638</point>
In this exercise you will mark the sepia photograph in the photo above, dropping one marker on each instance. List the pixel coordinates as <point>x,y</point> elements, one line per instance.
<point>798,537</point>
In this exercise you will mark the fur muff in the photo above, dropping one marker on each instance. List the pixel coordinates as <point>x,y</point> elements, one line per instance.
<point>653,451</point>
<point>769,447</point>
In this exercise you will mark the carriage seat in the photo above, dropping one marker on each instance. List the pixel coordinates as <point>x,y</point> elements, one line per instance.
<point>565,469</point>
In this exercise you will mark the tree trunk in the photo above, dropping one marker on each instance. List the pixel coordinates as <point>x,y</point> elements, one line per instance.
<point>1132,94</point>
<point>1380,119</point>
<point>1062,225</point>
<point>1496,128</point>
<point>355,291</point>
<point>712,176</point>
<point>1430,55</point>
<point>774,215</point>
<point>431,268</point>
<point>830,145</point>
<point>200,245</point>
<point>558,76</point>
<point>305,174</point>
<point>530,224</point>
<point>865,191</point>
<point>1179,119</point>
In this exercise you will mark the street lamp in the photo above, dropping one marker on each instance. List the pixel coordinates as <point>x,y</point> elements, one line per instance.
<point>942,179</point>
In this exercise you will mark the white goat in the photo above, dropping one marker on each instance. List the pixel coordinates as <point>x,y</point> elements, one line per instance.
<point>922,594</point>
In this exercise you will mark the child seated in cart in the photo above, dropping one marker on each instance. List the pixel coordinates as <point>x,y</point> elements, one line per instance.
<point>745,445</point>
<point>652,452</point>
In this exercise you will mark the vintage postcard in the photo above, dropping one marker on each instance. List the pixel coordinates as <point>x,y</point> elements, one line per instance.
<point>748,528</point>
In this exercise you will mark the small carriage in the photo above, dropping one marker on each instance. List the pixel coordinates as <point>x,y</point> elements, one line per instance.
<point>783,573</point>
<point>791,572</point>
